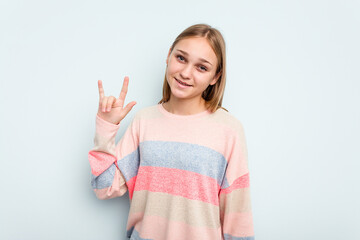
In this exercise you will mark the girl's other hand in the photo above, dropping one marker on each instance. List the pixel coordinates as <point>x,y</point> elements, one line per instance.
<point>111,108</point>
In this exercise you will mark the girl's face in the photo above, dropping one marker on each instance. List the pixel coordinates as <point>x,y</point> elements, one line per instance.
<point>191,67</point>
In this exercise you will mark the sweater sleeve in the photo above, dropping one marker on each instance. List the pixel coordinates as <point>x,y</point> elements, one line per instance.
<point>234,197</point>
<point>107,179</point>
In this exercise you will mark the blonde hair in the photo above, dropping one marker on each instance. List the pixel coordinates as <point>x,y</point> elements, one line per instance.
<point>213,94</point>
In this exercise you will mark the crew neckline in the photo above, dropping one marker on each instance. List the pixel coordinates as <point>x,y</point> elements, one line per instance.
<point>173,115</point>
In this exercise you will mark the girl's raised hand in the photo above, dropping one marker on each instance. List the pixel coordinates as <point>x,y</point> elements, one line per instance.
<point>111,108</point>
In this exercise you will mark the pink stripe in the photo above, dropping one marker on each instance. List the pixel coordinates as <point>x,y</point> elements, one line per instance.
<point>179,182</point>
<point>130,184</point>
<point>242,228</point>
<point>100,161</point>
<point>155,227</point>
<point>241,182</point>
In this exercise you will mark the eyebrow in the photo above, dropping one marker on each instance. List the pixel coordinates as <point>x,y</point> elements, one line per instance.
<point>186,54</point>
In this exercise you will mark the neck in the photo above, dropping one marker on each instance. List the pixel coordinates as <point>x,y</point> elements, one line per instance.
<point>185,107</point>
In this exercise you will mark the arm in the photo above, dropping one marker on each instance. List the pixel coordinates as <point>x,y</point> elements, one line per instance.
<point>234,197</point>
<point>107,180</point>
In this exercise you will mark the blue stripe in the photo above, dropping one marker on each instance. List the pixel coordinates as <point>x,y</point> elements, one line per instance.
<point>185,156</point>
<point>129,164</point>
<point>105,179</point>
<point>230,237</point>
<point>225,183</point>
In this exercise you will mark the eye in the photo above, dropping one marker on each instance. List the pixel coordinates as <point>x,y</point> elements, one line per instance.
<point>180,58</point>
<point>203,68</point>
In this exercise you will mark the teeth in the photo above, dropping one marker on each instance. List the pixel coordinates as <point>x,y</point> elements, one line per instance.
<point>182,83</point>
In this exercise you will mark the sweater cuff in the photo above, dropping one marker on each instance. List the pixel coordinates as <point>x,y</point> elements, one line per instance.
<point>105,134</point>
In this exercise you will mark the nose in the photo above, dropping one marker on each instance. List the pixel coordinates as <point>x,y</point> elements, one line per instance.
<point>186,72</point>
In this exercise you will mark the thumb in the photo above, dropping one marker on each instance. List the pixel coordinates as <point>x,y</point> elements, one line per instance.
<point>128,107</point>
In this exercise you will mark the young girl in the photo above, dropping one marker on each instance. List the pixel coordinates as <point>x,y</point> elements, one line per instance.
<point>183,160</point>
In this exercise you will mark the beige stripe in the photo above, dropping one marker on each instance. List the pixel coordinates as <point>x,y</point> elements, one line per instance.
<point>151,112</point>
<point>104,144</point>
<point>236,201</point>
<point>175,208</point>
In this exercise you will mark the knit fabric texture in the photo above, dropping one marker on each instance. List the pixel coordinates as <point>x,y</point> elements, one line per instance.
<point>187,175</point>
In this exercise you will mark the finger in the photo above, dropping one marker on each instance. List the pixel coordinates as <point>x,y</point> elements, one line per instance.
<point>124,88</point>
<point>128,107</point>
<point>103,103</point>
<point>109,103</point>
<point>101,89</point>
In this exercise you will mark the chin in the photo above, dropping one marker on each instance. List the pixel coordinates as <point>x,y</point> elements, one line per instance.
<point>178,96</point>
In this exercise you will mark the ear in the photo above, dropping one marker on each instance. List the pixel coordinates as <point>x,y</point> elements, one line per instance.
<point>167,59</point>
<point>216,78</point>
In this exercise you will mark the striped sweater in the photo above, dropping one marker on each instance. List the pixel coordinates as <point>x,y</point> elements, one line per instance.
<point>187,175</point>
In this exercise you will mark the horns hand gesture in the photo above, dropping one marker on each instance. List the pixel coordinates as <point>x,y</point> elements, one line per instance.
<point>110,108</point>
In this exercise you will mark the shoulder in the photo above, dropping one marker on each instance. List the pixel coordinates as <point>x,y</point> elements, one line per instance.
<point>227,120</point>
<point>147,113</point>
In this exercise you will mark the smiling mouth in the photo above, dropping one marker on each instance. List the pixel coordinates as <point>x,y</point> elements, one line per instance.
<point>182,83</point>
